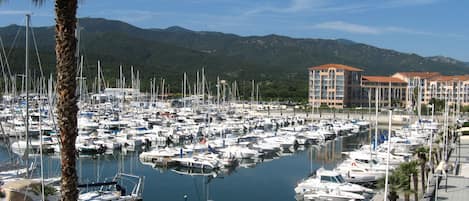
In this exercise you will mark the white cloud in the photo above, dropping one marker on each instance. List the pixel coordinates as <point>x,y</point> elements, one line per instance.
<point>129,16</point>
<point>14,12</point>
<point>406,31</point>
<point>294,6</point>
<point>400,3</point>
<point>364,29</point>
<point>346,27</point>
<point>321,6</point>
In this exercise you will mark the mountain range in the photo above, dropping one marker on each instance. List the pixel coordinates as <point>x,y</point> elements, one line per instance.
<point>278,63</point>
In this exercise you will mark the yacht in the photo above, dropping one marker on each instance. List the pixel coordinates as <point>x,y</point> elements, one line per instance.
<point>331,194</point>
<point>328,179</point>
<point>238,152</point>
<point>197,162</point>
<point>161,157</point>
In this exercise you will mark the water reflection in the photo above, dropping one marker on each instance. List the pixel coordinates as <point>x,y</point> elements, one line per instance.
<point>271,177</point>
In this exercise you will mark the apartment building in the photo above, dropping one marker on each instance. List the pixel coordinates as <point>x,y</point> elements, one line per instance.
<point>391,91</point>
<point>415,79</point>
<point>454,89</point>
<point>335,85</point>
<point>339,86</point>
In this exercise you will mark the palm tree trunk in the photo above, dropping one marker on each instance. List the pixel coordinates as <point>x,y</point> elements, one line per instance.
<point>65,50</point>
<point>422,174</point>
<point>406,193</point>
<point>436,161</point>
<point>393,196</point>
<point>415,179</point>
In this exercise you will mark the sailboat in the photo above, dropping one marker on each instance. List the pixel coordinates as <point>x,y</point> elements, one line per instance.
<point>123,187</point>
<point>15,187</point>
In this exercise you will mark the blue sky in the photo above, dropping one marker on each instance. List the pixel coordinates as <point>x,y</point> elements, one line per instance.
<point>425,27</point>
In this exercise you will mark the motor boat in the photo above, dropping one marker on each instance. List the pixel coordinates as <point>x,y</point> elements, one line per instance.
<point>329,179</point>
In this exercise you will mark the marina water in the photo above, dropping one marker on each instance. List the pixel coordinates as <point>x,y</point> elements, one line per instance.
<point>270,178</point>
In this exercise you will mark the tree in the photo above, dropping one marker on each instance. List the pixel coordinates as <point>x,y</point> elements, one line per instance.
<point>411,170</point>
<point>394,186</point>
<point>438,104</point>
<point>400,180</point>
<point>421,153</point>
<point>403,173</point>
<point>65,50</point>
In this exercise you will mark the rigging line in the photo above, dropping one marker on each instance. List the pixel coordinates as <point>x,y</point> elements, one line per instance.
<point>5,56</point>
<point>5,77</point>
<point>14,41</point>
<point>102,76</point>
<point>42,81</point>
<point>36,50</point>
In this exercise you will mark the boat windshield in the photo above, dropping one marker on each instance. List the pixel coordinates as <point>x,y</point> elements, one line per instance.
<point>332,179</point>
<point>340,179</point>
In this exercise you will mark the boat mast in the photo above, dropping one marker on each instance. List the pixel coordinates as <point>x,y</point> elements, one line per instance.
<point>419,95</point>
<point>252,93</point>
<point>121,86</point>
<point>137,87</point>
<point>81,79</point>
<point>387,156</point>
<point>389,96</point>
<point>5,80</point>
<point>40,151</point>
<point>376,116</point>
<point>28,16</point>
<point>257,93</point>
<point>203,85</point>
<point>218,93</point>
<point>197,90</point>
<point>99,78</point>
<point>184,89</point>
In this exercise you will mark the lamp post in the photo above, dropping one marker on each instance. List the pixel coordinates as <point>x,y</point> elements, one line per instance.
<point>386,185</point>
<point>431,141</point>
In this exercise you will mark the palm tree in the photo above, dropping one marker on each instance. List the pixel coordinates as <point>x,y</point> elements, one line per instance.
<point>400,180</point>
<point>65,50</point>
<point>404,175</point>
<point>394,186</point>
<point>421,153</point>
<point>412,169</point>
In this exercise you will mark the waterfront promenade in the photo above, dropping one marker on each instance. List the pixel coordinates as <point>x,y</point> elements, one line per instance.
<point>457,186</point>
<point>398,118</point>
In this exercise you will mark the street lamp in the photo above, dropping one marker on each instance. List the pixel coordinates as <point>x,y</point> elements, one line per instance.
<point>386,185</point>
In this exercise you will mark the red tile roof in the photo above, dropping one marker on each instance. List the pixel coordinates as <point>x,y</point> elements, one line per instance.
<point>337,66</point>
<point>382,79</point>
<point>423,75</point>
<point>451,78</point>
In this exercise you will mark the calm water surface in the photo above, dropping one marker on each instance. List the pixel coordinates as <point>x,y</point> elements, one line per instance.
<point>272,179</point>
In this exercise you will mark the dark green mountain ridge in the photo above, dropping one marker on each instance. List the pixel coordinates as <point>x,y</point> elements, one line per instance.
<point>278,62</point>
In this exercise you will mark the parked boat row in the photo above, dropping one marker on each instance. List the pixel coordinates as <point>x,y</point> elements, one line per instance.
<point>212,154</point>
<point>366,165</point>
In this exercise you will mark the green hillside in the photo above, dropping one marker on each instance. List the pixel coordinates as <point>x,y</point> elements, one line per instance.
<point>279,63</point>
